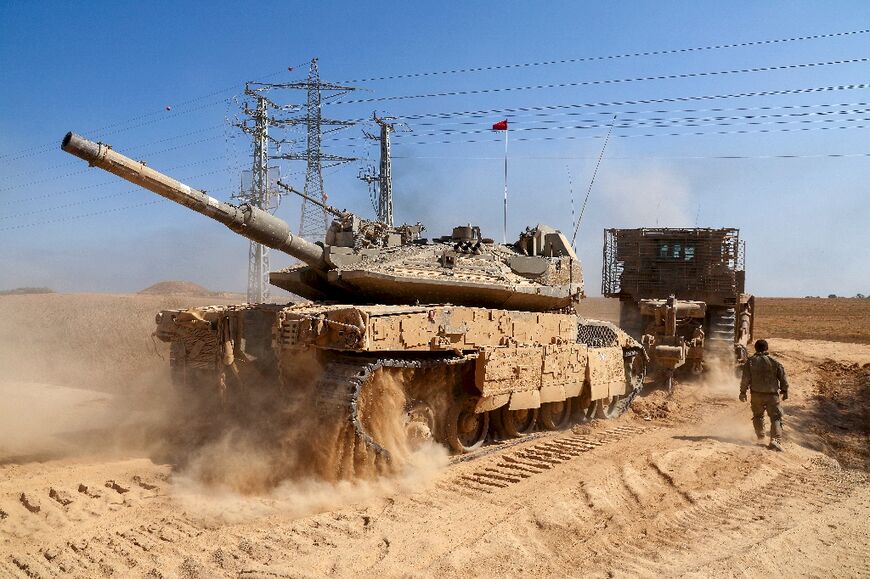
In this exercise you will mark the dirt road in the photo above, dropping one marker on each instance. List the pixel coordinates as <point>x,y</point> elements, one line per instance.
<point>677,487</point>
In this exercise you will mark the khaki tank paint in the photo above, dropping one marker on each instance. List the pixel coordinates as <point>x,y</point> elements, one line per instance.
<point>682,294</point>
<point>494,322</point>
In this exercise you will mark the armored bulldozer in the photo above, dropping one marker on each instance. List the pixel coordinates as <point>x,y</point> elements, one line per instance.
<point>682,294</point>
<point>481,337</point>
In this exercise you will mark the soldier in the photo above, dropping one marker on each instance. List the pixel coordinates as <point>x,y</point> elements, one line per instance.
<point>765,377</point>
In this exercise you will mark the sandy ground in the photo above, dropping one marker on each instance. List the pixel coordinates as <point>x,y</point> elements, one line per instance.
<point>839,319</point>
<point>676,487</point>
<point>35,418</point>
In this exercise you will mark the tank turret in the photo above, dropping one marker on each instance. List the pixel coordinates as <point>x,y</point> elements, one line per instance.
<point>468,331</point>
<point>366,262</point>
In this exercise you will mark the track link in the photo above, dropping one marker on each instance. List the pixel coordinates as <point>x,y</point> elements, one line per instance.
<point>345,378</point>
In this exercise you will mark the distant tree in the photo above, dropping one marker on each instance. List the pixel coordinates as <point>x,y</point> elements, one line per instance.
<point>832,296</point>
<point>860,296</point>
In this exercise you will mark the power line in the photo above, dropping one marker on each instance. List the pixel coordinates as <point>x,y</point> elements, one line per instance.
<point>105,183</point>
<point>802,65</point>
<point>535,157</point>
<point>50,147</point>
<point>67,205</point>
<point>101,198</point>
<point>608,57</point>
<point>75,217</point>
<point>663,122</point>
<point>650,111</point>
<point>39,149</point>
<point>133,148</point>
<point>101,131</point>
<point>694,133</point>
<point>641,157</point>
<point>648,121</point>
<point>80,172</point>
<point>635,102</point>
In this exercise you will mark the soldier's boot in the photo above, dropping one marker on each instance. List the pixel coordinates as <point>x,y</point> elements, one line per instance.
<point>776,435</point>
<point>758,424</point>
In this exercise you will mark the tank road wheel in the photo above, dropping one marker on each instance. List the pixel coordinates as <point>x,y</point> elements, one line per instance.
<point>583,407</point>
<point>635,369</point>
<point>466,429</point>
<point>419,422</point>
<point>555,415</point>
<point>592,411</point>
<point>516,423</point>
<point>610,407</point>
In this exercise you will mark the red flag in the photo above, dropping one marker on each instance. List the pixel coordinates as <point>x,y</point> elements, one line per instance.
<point>500,126</point>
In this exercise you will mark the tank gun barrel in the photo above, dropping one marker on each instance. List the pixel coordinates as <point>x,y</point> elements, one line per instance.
<point>246,220</point>
<point>328,208</point>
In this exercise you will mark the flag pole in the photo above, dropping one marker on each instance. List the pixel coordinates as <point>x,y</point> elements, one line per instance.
<point>504,226</point>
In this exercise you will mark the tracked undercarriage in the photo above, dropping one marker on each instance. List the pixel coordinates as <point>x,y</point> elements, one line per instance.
<point>464,373</point>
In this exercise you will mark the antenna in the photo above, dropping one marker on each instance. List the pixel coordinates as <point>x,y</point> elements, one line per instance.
<point>571,196</point>
<point>594,174</point>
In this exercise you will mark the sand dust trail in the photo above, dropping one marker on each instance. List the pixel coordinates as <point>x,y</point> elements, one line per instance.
<point>678,487</point>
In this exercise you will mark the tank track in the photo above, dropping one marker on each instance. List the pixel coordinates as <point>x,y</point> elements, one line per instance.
<point>720,339</point>
<point>636,380</point>
<point>722,324</point>
<point>345,377</point>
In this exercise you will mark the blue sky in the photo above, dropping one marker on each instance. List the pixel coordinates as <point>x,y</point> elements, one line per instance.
<point>108,70</point>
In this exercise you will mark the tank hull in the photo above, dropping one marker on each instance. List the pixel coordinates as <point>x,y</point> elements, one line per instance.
<point>464,372</point>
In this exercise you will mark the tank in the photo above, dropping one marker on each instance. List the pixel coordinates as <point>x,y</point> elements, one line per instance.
<point>682,294</point>
<point>457,337</point>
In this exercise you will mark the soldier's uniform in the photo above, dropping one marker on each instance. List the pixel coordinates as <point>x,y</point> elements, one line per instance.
<point>765,378</point>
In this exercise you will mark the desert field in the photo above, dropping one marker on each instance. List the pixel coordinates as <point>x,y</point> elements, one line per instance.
<point>678,486</point>
<point>836,320</point>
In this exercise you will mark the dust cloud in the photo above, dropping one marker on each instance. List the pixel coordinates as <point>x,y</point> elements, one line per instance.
<point>721,381</point>
<point>720,377</point>
<point>80,377</point>
<point>650,196</point>
<point>294,461</point>
<point>82,381</point>
<point>221,500</point>
<point>40,421</point>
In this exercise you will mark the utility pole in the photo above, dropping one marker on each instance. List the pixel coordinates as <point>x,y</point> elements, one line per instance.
<point>260,193</point>
<point>313,219</point>
<point>383,180</point>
